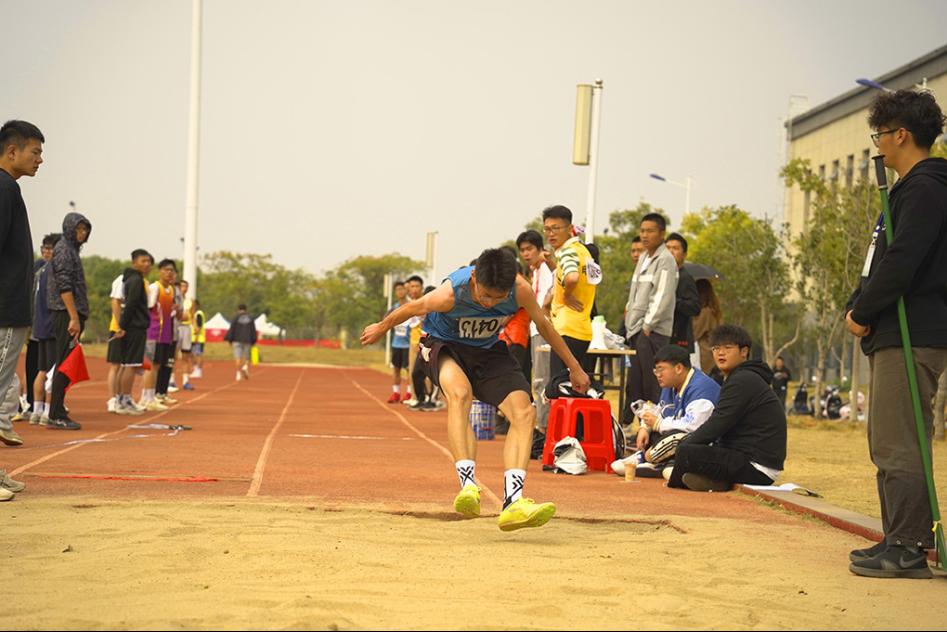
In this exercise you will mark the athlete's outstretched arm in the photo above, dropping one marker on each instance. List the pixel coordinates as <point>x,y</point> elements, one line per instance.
<point>440,300</point>
<point>526,300</point>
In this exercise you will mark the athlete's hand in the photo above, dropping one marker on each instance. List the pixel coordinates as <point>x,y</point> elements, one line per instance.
<point>73,328</point>
<point>641,441</point>
<point>648,419</point>
<point>854,328</point>
<point>372,334</point>
<point>119,334</point>
<point>580,380</point>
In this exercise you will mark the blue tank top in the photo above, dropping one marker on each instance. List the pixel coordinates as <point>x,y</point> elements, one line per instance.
<point>469,322</point>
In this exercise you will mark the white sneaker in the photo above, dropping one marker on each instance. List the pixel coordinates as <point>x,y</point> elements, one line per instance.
<point>172,388</point>
<point>34,418</point>
<point>246,372</point>
<point>197,374</point>
<point>111,405</point>
<point>619,466</point>
<point>9,484</point>
<point>155,406</point>
<point>239,376</point>
<point>6,494</point>
<point>164,399</point>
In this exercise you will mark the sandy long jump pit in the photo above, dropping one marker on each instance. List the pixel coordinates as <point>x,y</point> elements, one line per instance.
<point>300,500</point>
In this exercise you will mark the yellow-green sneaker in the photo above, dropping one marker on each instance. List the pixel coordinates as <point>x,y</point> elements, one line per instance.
<point>525,513</point>
<point>468,501</point>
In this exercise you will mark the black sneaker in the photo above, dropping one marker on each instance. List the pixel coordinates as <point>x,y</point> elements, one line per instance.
<point>63,424</point>
<point>416,406</point>
<point>864,554</point>
<point>896,561</point>
<point>701,483</point>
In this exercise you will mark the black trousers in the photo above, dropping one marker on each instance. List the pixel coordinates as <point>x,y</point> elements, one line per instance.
<point>642,384</point>
<point>418,378</point>
<point>32,368</point>
<point>719,464</point>
<point>579,349</point>
<point>57,402</point>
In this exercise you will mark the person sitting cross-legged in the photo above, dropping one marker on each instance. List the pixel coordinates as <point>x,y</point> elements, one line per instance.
<point>744,441</point>
<point>688,398</point>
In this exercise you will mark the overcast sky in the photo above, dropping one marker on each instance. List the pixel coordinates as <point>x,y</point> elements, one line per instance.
<point>337,128</point>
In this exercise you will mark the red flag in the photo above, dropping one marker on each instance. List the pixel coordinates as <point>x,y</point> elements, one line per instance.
<point>74,366</point>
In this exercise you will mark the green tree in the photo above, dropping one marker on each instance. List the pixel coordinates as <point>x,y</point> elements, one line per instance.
<point>99,274</point>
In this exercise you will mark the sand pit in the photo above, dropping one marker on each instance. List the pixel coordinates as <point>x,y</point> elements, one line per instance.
<point>81,563</point>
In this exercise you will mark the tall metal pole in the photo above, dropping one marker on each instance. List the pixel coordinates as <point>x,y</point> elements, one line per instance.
<point>429,256</point>
<point>687,196</point>
<point>193,154</point>
<point>388,295</point>
<point>593,160</point>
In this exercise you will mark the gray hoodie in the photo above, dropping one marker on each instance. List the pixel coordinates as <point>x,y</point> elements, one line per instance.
<point>66,273</point>
<point>652,295</point>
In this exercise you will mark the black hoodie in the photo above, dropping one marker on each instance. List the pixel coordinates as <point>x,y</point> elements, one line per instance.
<point>66,274</point>
<point>748,417</point>
<point>913,266</point>
<point>16,256</point>
<point>135,313</point>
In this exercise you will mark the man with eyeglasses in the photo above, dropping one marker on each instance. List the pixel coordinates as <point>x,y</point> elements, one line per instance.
<point>913,265</point>
<point>744,440</point>
<point>573,292</point>
<point>688,398</point>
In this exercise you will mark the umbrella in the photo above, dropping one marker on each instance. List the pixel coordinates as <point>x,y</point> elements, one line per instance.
<point>701,271</point>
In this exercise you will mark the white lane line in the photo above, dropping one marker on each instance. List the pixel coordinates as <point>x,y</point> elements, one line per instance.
<point>434,443</point>
<point>257,480</point>
<point>355,437</point>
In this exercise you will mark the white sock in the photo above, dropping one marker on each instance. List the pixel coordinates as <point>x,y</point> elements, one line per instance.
<point>186,378</point>
<point>513,486</point>
<point>147,395</point>
<point>39,407</point>
<point>465,472</point>
<point>395,388</point>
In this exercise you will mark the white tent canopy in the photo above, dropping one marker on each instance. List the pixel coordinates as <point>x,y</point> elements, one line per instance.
<point>217,322</point>
<point>266,328</point>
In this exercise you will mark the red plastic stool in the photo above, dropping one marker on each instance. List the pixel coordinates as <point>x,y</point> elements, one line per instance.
<point>598,442</point>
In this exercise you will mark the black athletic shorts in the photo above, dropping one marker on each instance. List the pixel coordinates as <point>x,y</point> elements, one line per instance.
<point>164,355</point>
<point>400,358</point>
<point>133,346</point>
<point>46,354</point>
<point>492,372</point>
<point>113,353</point>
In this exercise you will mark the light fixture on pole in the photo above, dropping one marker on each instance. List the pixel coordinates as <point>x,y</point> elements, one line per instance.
<point>686,185</point>
<point>588,111</point>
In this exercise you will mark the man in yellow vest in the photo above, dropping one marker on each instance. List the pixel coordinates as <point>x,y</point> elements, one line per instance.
<point>198,339</point>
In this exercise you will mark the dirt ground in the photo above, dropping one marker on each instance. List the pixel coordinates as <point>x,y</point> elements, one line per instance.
<point>78,563</point>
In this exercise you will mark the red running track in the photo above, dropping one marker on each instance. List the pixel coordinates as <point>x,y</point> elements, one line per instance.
<point>317,434</point>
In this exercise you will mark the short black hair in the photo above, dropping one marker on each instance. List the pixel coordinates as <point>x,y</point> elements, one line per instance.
<point>399,283</point>
<point>730,335</point>
<point>674,355</point>
<point>657,218</point>
<point>167,262</point>
<point>429,289</point>
<point>557,212</point>
<point>141,252</point>
<point>415,277</point>
<point>17,133</point>
<point>496,269</point>
<point>530,237</point>
<point>52,239</point>
<point>917,112</point>
<point>677,237</point>
<point>636,240</point>
<point>242,307</point>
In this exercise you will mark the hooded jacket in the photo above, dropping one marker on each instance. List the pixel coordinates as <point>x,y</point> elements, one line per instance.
<point>748,417</point>
<point>914,265</point>
<point>135,314</point>
<point>66,274</point>
<point>16,256</point>
<point>242,329</point>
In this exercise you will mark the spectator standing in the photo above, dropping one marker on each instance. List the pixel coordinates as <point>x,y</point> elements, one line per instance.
<point>133,323</point>
<point>542,280</point>
<point>21,144</point>
<point>415,287</point>
<point>68,300</point>
<point>709,318</point>
<point>185,341</point>
<point>159,347</point>
<point>913,266</point>
<point>242,336</point>
<point>113,353</point>
<point>574,288</point>
<point>42,335</point>
<point>651,301</point>
<point>637,249</point>
<point>198,339</point>
<point>400,348</point>
<point>781,377</point>
<point>744,441</point>
<point>686,299</point>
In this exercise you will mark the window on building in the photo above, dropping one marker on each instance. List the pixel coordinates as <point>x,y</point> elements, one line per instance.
<point>834,175</point>
<point>805,209</point>
<point>849,171</point>
<point>863,165</point>
<point>822,172</point>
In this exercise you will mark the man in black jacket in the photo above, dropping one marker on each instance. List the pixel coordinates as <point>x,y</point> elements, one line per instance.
<point>242,336</point>
<point>21,154</point>
<point>133,328</point>
<point>687,300</point>
<point>68,301</point>
<point>913,265</point>
<point>744,441</point>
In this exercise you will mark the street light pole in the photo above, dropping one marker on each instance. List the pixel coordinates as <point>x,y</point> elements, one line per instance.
<point>597,88</point>
<point>193,154</point>
<point>686,185</point>
<point>429,254</point>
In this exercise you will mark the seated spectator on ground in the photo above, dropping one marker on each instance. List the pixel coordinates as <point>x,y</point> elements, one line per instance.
<point>744,441</point>
<point>688,398</point>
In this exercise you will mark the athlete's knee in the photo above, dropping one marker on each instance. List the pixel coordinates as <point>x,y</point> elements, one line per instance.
<point>457,393</point>
<point>522,412</point>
